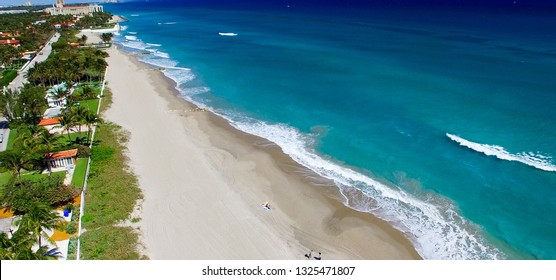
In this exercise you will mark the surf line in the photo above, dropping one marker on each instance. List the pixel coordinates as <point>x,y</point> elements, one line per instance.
<point>501,153</point>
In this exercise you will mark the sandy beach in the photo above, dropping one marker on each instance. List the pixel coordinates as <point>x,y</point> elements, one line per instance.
<point>205,183</point>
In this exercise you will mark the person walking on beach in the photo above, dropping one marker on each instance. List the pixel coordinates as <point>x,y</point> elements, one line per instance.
<point>308,256</point>
<point>319,257</point>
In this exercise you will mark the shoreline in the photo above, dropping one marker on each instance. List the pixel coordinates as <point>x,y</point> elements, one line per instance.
<point>232,171</point>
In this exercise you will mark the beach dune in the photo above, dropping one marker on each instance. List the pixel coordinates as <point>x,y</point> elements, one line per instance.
<point>205,185</point>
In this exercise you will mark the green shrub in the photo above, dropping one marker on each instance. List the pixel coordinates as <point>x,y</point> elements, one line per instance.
<point>71,228</point>
<point>22,193</point>
<point>83,151</point>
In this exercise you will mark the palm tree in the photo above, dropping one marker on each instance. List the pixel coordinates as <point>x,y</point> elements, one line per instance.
<point>79,114</point>
<point>37,219</point>
<point>16,160</point>
<point>91,119</point>
<point>46,141</point>
<point>67,121</point>
<point>19,247</point>
<point>16,247</point>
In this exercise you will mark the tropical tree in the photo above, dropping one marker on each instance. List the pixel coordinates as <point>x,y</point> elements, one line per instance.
<point>106,37</point>
<point>18,246</point>
<point>22,193</point>
<point>37,219</point>
<point>15,160</point>
<point>8,105</point>
<point>91,119</point>
<point>45,141</point>
<point>67,121</point>
<point>79,114</point>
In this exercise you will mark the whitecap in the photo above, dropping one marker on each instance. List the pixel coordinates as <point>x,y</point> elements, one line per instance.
<point>437,230</point>
<point>131,38</point>
<point>536,160</point>
<point>227,34</point>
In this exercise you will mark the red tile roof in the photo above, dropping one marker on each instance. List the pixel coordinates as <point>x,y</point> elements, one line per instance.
<point>9,42</point>
<point>45,122</point>
<point>62,154</point>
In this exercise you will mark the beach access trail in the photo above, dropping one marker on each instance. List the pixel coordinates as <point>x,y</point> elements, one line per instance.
<point>205,183</point>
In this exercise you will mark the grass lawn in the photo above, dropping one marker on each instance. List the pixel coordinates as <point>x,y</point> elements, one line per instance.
<point>79,173</point>
<point>13,134</point>
<point>7,77</point>
<point>91,104</point>
<point>66,144</point>
<point>96,89</point>
<point>35,176</point>
<point>4,178</point>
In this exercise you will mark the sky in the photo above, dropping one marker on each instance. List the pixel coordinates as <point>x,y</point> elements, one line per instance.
<point>41,2</point>
<point>542,5</point>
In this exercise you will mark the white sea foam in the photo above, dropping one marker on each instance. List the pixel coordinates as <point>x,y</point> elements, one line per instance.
<point>134,15</point>
<point>131,38</point>
<point>227,34</point>
<point>437,230</point>
<point>154,45</point>
<point>138,45</point>
<point>188,92</point>
<point>180,75</point>
<point>158,53</point>
<point>132,33</point>
<point>538,161</point>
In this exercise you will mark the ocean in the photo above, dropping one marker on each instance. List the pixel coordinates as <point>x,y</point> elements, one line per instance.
<point>438,119</point>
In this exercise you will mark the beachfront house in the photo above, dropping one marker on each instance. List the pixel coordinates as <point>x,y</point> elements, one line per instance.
<point>56,101</point>
<point>51,124</point>
<point>62,159</point>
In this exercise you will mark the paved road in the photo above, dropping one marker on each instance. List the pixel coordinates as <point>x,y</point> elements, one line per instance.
<point>20,80</point>
<point>41,56</point>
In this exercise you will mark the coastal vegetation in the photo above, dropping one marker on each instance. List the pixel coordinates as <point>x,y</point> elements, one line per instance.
<point>7,76</point>
<point>33,195</point>
<point>111,197</point>
<point>70,64</point>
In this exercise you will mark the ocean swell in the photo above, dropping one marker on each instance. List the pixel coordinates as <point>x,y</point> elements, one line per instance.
<point>535,160</point>
<point>436,229</point>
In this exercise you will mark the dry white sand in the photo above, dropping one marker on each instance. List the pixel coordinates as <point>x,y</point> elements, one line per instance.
<point>204,184</point>
<point>92,37</point>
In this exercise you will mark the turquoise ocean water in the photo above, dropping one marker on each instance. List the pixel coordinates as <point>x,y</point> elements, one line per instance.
<point>439,121</point>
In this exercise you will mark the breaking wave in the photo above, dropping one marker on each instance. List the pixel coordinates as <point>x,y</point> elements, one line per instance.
<point>538,161</point>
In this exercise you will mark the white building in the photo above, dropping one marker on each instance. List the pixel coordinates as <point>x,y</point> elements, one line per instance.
<point>76,10</point>
<point>61,159</point>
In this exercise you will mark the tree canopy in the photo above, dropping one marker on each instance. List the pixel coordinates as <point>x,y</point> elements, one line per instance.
<point>21,194</point>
